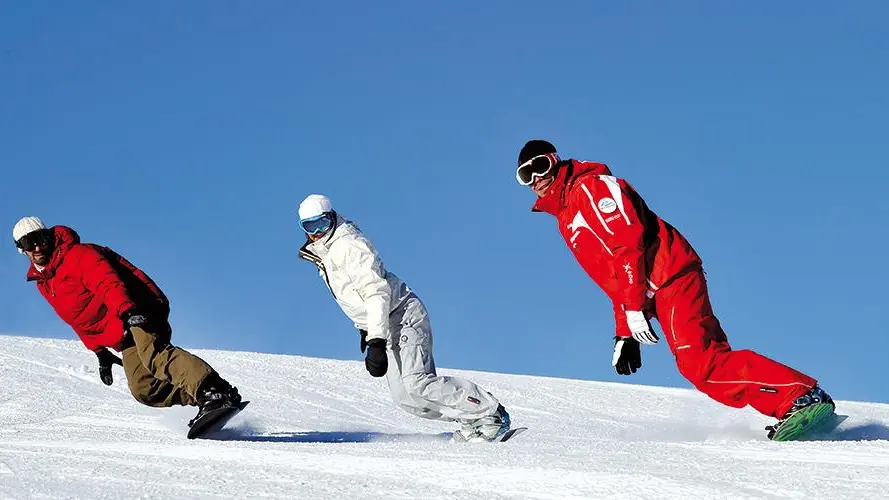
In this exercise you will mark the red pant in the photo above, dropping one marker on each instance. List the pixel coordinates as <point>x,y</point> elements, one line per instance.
<point>704,357</point>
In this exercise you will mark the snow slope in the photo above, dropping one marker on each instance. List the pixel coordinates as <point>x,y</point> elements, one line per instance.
<point>319,429</point>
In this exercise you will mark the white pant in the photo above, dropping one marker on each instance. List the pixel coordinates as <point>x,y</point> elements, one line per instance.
<point>413,383</point>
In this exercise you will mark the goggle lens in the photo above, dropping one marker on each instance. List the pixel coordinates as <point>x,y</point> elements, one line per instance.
<point>41,238</point>
<point>539,166</point>
<point>318,224</point>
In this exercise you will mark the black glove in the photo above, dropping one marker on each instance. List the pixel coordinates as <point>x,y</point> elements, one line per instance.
<point>133,318</point>
<point>376,362</point>
<point>627,357</point>
<point>363,334</point>
<point>106,359</point>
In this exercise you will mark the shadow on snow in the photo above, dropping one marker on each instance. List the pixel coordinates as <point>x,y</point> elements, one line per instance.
<point>865,432</point>
<point>236,434</point>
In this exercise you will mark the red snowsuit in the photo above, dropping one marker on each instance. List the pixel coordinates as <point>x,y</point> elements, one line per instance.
<point>90,286</point>
<point>644,264</point>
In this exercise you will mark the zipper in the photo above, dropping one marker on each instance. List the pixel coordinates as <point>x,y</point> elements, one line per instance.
<point>305,254</point>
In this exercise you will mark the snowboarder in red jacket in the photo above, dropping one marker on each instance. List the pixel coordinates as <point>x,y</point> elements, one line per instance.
<point>111,304</point>
<point>650,271</point>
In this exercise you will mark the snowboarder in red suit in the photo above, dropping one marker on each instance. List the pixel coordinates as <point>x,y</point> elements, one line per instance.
<point>650,271</point>
<point>112,304</point>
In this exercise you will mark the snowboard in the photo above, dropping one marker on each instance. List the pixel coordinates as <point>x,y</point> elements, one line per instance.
<point>214,420</point>
<point>506,436</point>
<point>510,434</point>
<point>808,423</point>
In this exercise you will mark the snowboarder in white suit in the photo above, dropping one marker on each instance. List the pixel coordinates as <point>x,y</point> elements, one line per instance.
<point>394,326</point>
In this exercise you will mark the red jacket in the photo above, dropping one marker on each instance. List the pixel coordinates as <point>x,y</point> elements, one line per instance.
<point>626,248</point>
<point>90,286</point>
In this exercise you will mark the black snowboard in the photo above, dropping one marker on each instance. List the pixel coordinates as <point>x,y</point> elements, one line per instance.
<point>214,420</point>
<point>510,433</point>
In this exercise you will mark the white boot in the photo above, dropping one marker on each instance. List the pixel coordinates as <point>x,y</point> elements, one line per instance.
<point>484,429</point>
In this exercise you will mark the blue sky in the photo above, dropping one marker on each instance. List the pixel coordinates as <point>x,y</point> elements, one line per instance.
<point>184,136</point>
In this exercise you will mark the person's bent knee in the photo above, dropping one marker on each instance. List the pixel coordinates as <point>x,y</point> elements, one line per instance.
<point>415,384</point>
<point>696,366</point>
<point>143,397</point>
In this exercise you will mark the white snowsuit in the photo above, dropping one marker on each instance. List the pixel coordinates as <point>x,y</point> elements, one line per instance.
<point>377,301</point>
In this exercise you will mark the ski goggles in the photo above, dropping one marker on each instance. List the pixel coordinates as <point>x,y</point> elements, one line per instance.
<point>317,224</point>
<point>539,166</point>
<point>41,238</point>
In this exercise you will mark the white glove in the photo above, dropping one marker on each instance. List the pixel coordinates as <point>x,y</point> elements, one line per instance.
<point>641,327</point>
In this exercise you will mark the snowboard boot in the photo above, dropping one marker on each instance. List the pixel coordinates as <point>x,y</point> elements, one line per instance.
<point>814,396</point>
<point>215,393</point>
<point>484,429</point>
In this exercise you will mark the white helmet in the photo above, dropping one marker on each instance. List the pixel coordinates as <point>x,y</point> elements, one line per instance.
<point>314,205</point>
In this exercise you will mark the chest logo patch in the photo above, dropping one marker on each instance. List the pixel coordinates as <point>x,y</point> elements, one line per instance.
<point>607,205</point>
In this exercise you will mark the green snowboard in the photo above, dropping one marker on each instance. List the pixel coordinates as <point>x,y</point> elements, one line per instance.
<point>808,423</point>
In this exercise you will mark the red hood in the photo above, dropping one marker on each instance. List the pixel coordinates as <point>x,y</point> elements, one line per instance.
<point>65,238</point>
<point>554,199</point>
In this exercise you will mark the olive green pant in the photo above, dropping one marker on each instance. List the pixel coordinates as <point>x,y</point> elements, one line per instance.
<point>159,373</point>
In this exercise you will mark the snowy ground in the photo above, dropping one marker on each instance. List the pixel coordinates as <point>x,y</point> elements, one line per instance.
<point>319,429</point>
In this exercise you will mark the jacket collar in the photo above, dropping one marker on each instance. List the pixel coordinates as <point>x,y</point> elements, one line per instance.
<point>314,251</point>
<point>555,198</point>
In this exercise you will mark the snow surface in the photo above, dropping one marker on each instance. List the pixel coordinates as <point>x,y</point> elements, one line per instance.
<point>318,428</point>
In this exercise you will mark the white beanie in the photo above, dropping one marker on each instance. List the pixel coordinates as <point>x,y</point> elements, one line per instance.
<point>314,205</point>
<point>26,225</point>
